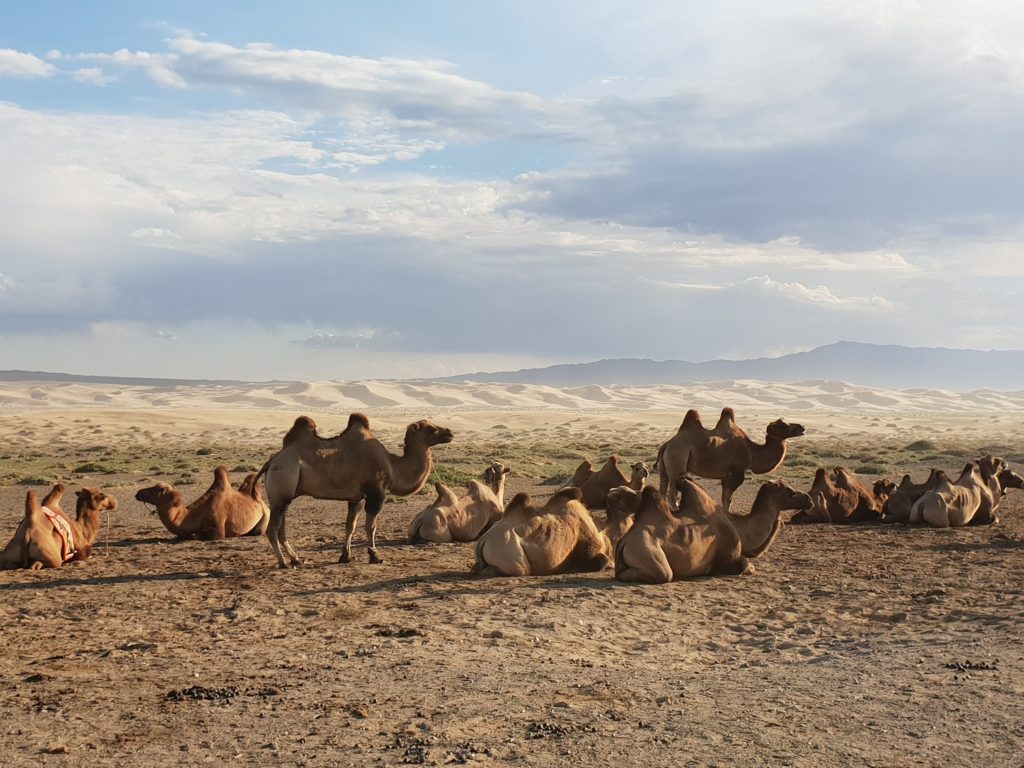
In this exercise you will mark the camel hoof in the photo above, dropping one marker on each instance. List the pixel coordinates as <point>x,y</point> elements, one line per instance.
<point>296,563</point>
<point>374,557</point>
<point>344,558</point>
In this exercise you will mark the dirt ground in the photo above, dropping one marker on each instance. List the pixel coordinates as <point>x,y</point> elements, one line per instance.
<point>841,649</point>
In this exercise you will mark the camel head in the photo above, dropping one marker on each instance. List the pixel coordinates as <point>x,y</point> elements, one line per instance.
<point>781,496</point>
<point>159,495</point>
<point>652,505</point>
<point>94,499</point>
<point>424,433</point>
<point>781,430</point>
<point>622,502</point>
<point>1010,479</point>
<point>640,474</point>
<point>494,472</point>
<point>694,500</point>
<point>883,489</point>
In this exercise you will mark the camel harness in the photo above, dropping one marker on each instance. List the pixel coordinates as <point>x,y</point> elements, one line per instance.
<point>67,536</point>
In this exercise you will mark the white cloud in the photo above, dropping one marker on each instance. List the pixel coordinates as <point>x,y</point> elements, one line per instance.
<point>25,65</point>
<point>820,295</point>
<point>91,76</point>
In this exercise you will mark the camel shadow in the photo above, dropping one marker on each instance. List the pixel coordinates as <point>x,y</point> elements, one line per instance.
<point>500,584</point>
<point>96,581</point>
<point>979,546</point>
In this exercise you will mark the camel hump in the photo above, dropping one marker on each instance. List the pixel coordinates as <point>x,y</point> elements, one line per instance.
<point>220,477</point>
<point>570,493</point>
<point>613,460</point>
<point>691,419</point>
<point>444,494</point>
<point>304,427</point>
<point>250,486</point>
<point>357,421</point>
<point>32,508</point>
<point>478,491</point>
<point>521,501</point>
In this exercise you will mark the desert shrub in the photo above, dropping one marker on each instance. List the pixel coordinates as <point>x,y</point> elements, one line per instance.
<point>870,469</point>
<point>922,445</point>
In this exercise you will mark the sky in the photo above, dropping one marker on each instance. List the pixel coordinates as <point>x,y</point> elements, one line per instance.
<point>403,189</point>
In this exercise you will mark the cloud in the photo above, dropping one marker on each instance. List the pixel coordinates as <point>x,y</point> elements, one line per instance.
<point>792,291</point>
<point>368,337</point>
<point>23,65</point>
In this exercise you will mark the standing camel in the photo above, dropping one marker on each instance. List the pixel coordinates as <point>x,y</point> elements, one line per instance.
<point>354,467</point>
<point>725,459</point>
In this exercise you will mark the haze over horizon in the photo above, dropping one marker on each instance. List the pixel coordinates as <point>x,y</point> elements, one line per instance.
<point>244,191</point>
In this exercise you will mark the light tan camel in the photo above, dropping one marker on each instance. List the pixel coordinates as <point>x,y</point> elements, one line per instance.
<point>47,539</point>
<point>220,513</point>
<point>595,489</point>
<point>453,518</point>
<point>700,541</point>
<point>494,476</point>
<point>725,459</point>
<point>951,505</point>
<point>353,466</point>
<point>897,507</point>
<point>561,537</point>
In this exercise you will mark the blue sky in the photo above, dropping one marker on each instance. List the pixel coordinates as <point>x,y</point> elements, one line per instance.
<point>329,190</point>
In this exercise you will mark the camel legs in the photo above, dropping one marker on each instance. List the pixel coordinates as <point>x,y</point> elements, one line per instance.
<point>354,507</point>
<point>278,536</point>
<point>730,483</point>
<point>374,504</point>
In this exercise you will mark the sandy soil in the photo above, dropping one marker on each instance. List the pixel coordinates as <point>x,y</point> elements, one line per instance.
<point>841,649</point>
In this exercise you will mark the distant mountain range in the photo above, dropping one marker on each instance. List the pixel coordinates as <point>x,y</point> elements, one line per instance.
<point>873,365</point>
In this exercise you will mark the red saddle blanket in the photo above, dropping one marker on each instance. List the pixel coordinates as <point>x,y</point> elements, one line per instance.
<point>67,536</point>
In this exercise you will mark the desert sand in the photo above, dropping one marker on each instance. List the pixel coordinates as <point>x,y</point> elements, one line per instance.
<point>868,645</point>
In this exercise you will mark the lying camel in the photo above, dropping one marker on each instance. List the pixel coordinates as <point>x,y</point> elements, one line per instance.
<point>700,541</point>
<point>595,489</point>
<point>494,476</point>
<point>997,475</point>
<point>46,538</point>
<point>453,518</point>
<point>725,459</point>
<point>561,537</point>
<point>220,513</point>
<point>951,505</point>
<point>842,497</point>
<point>353,466</point>
<point>897,507</point>
<point>621,507</point>
<point>583,472</point>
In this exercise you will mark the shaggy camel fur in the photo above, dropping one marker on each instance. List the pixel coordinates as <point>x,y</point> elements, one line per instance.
<point>951,505</point>
<point>220,513</point>
<point>661,546</point>
<point>353,466</point>
<point>595,489</point>
<point>844,498</point>
<point>995,473</point>
<point>725,459</point>
<point>38,544</point>
<point>561,537</point>
<point>897,507</point>
<point>451,518</point>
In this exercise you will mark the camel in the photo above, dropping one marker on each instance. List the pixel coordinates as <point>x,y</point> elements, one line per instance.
<point>583,472</point>
<point>844,498</point>
<point>695,430</point>
<point>621,506</point>
<point>951,505</point>
<point>897,507</point>
<point>220,513</point>
<point>700,541</point>
<point>997,475</point>
<point>354,467</point>
<point>46,538</point>
<point>494,476</point>
<point>595,489</point>
<point>453,518</point>
<point>722,458</point>
<point>561,537</point>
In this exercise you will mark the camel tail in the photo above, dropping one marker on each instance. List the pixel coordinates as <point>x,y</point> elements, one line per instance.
<point>620,561</point>
<point>414,530</point>
<point>263,471</point>
<point>657,461</point>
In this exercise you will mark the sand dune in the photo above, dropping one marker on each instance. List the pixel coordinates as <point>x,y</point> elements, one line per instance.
<point>387,395</point>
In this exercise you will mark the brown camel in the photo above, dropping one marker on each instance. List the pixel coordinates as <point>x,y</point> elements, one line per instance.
<point>997,475</point>
<point>897,507</point>
<point>220,513</point>
<point>699,541</point>
<point>844,498</point>
<point>725,459</point>
<point>595,489</point>
<point>621,507</point>
<point>353,466</point>
<point>453,518</point>
<point>47,539</point>
<point>583,472</point>
<point>561,537</point>
<point>951,505</point>
<point>694,429</point>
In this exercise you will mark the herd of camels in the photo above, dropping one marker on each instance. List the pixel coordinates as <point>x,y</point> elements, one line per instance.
<point>647,534</point>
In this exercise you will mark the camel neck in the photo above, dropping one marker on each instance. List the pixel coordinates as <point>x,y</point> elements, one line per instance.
<point>499,488</point>
<point>89,521</point>
<point>174,515</point>
<point>764,457</point>
<point>411,469</point>
<point>758,529</point>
